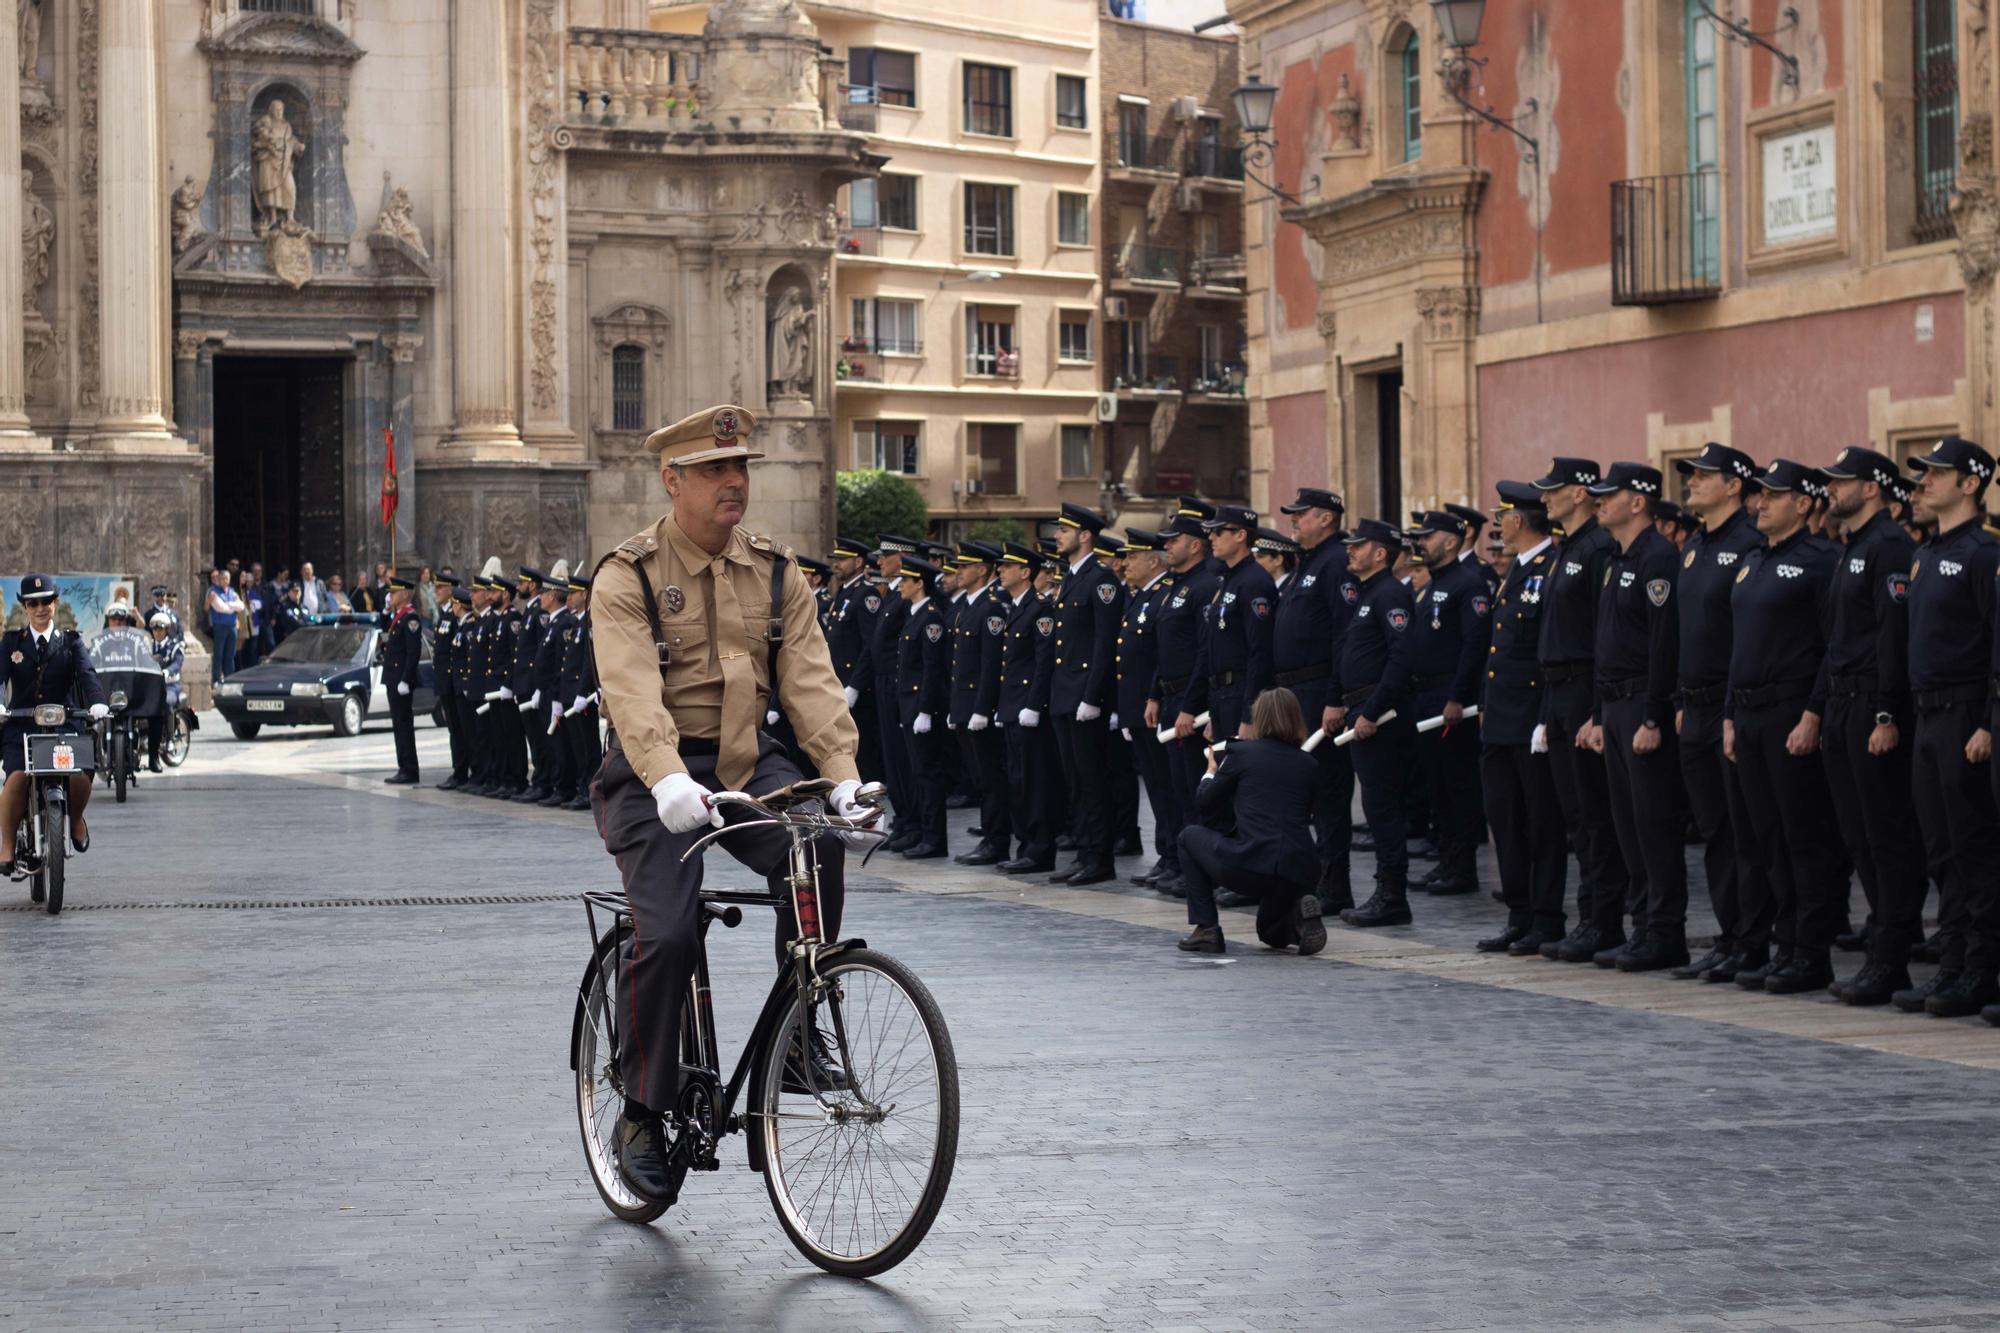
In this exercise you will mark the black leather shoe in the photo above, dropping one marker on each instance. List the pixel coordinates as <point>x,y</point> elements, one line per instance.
<point>975,831</point>
<point>1203,939</point>
<point>1309,928</point>
<point>1144,879</point>
<point>555,800</point>
<point>1128,846</point>
<point>925,851</point>
<point>1579,946</point>
<point>1065,843</point>
<point>7,868</point>
<point>1385,908</point>
<point>532,796</point>
<point>153,765</point>
<point>1173,888</point>
<point>1362,841</point>
<point>1423,849</point>
<point>1752,978</point>
<point>1653,954</point>
<point>983,855</point>
<point>959,801</point>
<point>1875,983</point>
<point>1608,956</point>
<point>1808,970</point>
<point>1062,873</point>
<point>452,783</point>
<point>79,845</point>
<point>400,780</point>
<point>641,1149</point>
<point>1968,993</point>
<point>1504,941</point>
<point>1853,941</point>
<point>1446,888</point>
<point>1689,971</point>
<point>1528,946</point>
<point>1991,1013</point>
<point>1912,999</point>
<point>1027,865</point>
<point>1743,960</point>
<point>1333,892</point>
<point>582,802</point>
<point>827,1073</point>
<point>1231,898</point>
<point>1097,874</point>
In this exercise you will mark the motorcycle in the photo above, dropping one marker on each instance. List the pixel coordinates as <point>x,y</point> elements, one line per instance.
<point>134,696</point>
<point>41,842</point>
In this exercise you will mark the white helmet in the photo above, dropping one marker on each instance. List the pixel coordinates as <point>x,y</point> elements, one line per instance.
<point>160,620</point>
<point>123,608</point>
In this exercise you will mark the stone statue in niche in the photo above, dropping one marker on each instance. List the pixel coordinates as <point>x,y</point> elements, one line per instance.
<point>186,215</point>
<point>273,149</point>
<point>28,23</point>
<point>38,234</point>
<point>792,345</point>
<point>398,219</point>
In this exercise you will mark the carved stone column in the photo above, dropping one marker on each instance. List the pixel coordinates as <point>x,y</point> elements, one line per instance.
<point>1975,209</point>
<point>482,310</point>
<point>13,376</point>
<point>544,199</point>
<point>132,227</point>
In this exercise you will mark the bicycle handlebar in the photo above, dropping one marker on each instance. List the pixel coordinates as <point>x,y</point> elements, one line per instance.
<point>796,808</point>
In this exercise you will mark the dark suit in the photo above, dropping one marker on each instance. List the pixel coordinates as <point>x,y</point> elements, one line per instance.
<point>402,655</point>
<point>1264,790</point>
<point>1522,808</point>
<point>1032,812</point>
<point>850,642</point>
<point>888,632</point>
<point>1086,626</point>
<point>1138,665</point>
<point>922,686</point>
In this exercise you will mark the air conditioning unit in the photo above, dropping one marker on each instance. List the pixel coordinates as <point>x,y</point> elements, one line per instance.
<point>1107,407</point>
<point>1186,107</point>
<point>975,487</point>
<point>1187,197</point>
<point>1114,307</point>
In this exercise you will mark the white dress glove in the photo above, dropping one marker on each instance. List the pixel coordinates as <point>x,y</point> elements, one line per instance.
<point>949,725</point>
<point>853,695</point>
<point>534,702</point>
<point>683,804</point>
<point>1088,712</point>
<point>1539,742</point>
<point>578,704</point>
<point>1113,724</point>
<point>841,801</point>
<point>978,722</point>
<point>402,687</point>
<point>771,717</point>
<point>1029,718</point>
<point>505,692</point>
<point>98,712</point>
<point>922,726</point>
<point>1126,732</point>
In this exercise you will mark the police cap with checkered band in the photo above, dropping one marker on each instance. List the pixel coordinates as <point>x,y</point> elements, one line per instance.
<point>1953,454</point>
<point>1638,478</point>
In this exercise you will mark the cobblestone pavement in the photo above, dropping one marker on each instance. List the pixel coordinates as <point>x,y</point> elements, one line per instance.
<point>299,1115</point>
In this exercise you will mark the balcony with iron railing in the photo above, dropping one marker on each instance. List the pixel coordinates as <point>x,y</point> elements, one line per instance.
<point>1666,239</point>
<point>1216,164</point>
<point>620,75</point>
<point>1137,267</point>
<point>865,360</point>
<point>1220,383</point>
<point>860,240</point>
<point>1142,156</point>
<point>1220,276</point>
<point>1141,375</point>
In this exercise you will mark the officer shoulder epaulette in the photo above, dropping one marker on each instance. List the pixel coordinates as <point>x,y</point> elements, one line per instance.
<point>763,545</point>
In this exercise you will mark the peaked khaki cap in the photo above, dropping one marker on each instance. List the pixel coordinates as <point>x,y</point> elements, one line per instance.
<point>704,436</point>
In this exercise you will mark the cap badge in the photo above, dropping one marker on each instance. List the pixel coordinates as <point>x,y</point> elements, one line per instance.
<point>726,424</point>
<point>675,600</point>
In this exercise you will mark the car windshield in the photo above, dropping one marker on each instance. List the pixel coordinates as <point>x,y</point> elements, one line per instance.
<point>322,643</point>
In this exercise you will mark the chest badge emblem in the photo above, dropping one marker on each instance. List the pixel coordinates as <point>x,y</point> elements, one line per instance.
<point>676,600</point>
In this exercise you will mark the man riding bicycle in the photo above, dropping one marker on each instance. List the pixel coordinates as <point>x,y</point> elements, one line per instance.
<point>42,665</point>
<point>698,628</point>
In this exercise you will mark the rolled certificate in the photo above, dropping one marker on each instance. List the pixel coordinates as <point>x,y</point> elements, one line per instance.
<point>1314,741</point>
<point>1166,733</point>
<point>1346,736</point>
<point>1433,723</point>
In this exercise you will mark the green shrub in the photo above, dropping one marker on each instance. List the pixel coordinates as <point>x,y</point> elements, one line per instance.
<point>873,502</point>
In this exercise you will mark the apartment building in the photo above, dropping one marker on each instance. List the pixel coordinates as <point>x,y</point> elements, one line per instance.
<point>1176,414</point>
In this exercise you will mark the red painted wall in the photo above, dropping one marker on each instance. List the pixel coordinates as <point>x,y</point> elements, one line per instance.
<point>1796,389</point>
<point>1298,444</point>
<point>1301,124</point>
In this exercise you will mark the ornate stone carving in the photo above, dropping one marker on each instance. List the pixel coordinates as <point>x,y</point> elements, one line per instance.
<point>454,529</point>
<point>737,291</point>
<point>1975,204</point>
<point>273,150</point>
<point>397,220</point>
<point>38,234</point>
<point>402,347</point>
<point>1346,113</point>
<point>751,228</point>
<point>507,533</point>
<point>1448,312</point>
<point>187,344</point>
<point>1388,246</point>
<point>185,209</point>
<point>288,251</point>
<point>561,531</point>
<point>544,80</point>
<point>791,362</point>
<point>797,221</point>
<point>1325,321</point>
<point>28,24</point>
<point>89,372</point>
<point>17,534</point>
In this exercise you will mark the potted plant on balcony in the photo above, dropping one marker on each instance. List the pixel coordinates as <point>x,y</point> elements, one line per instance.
<point>854,342</point>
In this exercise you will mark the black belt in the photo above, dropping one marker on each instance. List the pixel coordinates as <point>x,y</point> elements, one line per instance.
<point>688,745</point>
<point>1612,691</point>
<point>1174,686</point>
<point>1856,687</point>
<point>1946,696</point>
<point>1704,696</point>
<point>1222,678</point>
<point>1430,682</point>
<point>1562,673</point>
<point>1354,697</point>
<point>1756,696</point>
<point>1303,674</point>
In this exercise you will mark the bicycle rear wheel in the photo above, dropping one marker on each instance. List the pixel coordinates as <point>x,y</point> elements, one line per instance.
<point>118,773</point>
<point>51,872</point>
<point>599,1097</point>
<point>857,1176</point>
<point>178,739</point>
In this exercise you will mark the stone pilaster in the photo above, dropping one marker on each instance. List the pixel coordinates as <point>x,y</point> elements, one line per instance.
<point>132,297</point>
<point>1975,208</point>
<point>484,322</point>
<point>13,376</point>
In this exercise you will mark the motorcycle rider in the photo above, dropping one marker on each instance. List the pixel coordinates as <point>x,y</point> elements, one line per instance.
<point>167,651</point>
<point>42,665</point>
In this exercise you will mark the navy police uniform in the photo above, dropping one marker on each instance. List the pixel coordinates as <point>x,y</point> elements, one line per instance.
<point>1137,658</point>
<point>1086,616</point>
<point>1314,609</point>
<point>1234,664</point>
<point>885,653</point>
<point>1374,680</point>
<point>1452,631</point>
<point>402,658</point>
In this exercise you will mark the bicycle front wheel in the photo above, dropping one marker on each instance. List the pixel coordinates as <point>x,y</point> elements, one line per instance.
<point>599,1099</point>
<point>857,1173</point>
<point>178,739</point>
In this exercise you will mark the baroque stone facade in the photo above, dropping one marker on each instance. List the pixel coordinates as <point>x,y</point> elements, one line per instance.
<point>230,311</point>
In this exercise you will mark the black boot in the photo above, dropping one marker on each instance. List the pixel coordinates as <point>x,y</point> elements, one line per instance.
<point>1742,960</point>
<point>1689,971</point>
<point>641,1149</point>
<point>1390,906</point>
<point>1530,944</point>
<point>1654,953</point>
<point>1912,1000</point>
<point>1808,970</point>
<point>1334,894</point>
<point>1852,940</point>
<point>1311,931</point>
<point>1608,956</point>
<point>1203,939</point>
<point>1503,942</point>
<point>1969,992</point>
<point>1875,983</point>
<point>1752,978</point>
<point>1579,946</point>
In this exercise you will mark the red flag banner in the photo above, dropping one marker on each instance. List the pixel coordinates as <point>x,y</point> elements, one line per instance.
<point>389,492</point>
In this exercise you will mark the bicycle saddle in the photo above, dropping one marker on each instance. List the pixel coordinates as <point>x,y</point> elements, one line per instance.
<point>799,793</point>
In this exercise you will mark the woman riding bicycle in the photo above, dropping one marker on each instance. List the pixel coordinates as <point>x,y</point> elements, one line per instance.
<point>697,628</point>
<point>42,665</point>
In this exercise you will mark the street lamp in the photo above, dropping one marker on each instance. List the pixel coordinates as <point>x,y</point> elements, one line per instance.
<point>1459,20</point>
<point>1255,101</point>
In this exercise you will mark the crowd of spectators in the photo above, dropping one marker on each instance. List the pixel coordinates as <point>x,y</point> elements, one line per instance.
<point>246,612</point>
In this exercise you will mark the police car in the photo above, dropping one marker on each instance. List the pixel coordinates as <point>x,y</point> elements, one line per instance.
<point>325,673</point>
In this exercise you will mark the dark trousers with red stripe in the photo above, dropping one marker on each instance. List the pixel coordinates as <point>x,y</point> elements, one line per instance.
<point>659,957</point>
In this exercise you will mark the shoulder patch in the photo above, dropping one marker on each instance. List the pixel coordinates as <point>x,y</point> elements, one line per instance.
<point>934,631</point>
<point>1658,590</point>
<point>1399,619</point>
<point>1349,593</point>
<point>872,601</point>
<point>994,624</point>
<point>412,624</point>
<point>1481,606</point>
<point>1899,588</point>
<point>1106,591</point>
<point>1260,607</point>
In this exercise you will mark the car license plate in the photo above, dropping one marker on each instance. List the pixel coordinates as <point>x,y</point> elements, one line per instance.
<point>266,705</point>
<point>62,759</point>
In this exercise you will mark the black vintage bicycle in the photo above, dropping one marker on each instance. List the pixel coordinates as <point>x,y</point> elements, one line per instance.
<point>848,1082</point>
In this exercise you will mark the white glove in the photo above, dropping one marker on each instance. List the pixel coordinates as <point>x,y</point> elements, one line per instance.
<point>978,722</point>
<point>534,701</point>
<point>1088,712</point>
<point>771,717</point>
<point>683,804</point>
<point>98,712</point>
<point>922,726</point>
<point>1029,718</point>
<point>949,725</point>
<point>505,693</point>
<point>853,695</point>
<point>1126,732</point>
<point>1539,742</point>
<point>1113,724</point>
<point>557,711</point>
<point>402,687</point>
<point>578,704</point>
<point>841,801</point>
